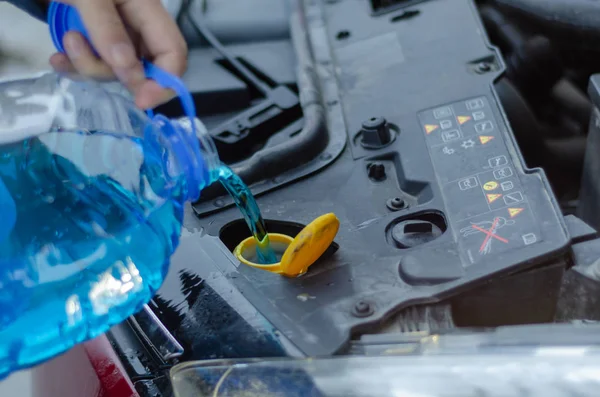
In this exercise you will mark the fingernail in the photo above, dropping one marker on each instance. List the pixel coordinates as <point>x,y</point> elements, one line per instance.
<point>123,55</point>
<point>74,45</point>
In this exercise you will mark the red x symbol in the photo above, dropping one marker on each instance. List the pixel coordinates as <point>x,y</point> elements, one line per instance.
<point>489,234</point>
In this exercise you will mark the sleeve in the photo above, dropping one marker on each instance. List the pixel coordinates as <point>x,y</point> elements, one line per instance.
<point>33,7</point>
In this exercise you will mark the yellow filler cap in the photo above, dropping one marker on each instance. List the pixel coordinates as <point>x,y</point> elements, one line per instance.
<point>301,252</point>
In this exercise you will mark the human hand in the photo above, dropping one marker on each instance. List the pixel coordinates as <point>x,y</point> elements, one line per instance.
<point>121,32</point>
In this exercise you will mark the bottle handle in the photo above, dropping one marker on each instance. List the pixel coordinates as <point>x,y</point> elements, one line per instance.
<point>170,81</point>
<point>63,18</point>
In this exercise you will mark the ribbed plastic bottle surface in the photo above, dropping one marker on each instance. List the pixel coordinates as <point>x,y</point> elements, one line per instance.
<point>89,217</point>
<point>93,234</point>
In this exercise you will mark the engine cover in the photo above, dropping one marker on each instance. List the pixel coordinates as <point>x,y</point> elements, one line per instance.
<point>433,196</point>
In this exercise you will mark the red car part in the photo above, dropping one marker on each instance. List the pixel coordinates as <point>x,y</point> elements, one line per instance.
<point>89,370</point>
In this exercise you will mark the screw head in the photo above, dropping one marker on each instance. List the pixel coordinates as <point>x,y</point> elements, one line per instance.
<point>396,204</point>
<point>362,309</point>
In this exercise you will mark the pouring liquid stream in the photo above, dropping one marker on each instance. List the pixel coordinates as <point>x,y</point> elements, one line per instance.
<point>246,203</point>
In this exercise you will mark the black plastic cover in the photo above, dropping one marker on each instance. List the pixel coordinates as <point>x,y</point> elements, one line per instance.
<point>451,162</point>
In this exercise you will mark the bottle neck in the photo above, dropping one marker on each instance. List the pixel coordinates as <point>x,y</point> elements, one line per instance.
<point>195,153</point>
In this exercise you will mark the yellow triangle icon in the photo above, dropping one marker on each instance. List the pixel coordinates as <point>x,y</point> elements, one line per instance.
<point>429,128</point>
<point>493,197</point>
<point>463,119</point>
<point>485,139</point>
<point>515,211</point>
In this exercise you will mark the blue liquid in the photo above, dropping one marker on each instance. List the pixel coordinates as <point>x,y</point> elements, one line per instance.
<point>246,203</point>
<point>96,224</point>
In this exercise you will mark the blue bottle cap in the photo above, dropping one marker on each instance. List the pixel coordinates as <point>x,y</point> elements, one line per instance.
<point>63,18</point>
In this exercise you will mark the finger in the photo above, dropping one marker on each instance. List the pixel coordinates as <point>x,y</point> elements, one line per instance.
<point>83,58</point>
<point>111,41</point>
<point>162,41</point>
<point>160,35</point>
<point>60,63</point>
<point>151,95</point>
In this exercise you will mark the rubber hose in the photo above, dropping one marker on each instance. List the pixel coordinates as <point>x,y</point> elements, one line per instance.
<point>572,21</point>
<point>503,32</point>
<point>313,137</point>
<point>573,100</point>
<point>568,152</point>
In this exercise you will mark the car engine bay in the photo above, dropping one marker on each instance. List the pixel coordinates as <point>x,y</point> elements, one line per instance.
<point>457,142</point>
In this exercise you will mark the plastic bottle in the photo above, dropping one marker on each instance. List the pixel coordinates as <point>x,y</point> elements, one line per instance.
<point>91,205</point>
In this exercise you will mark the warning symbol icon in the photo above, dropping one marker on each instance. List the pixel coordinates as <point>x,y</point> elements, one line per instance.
<point>463,119</point>
<point>492,197</point>
<point>491,185</point>
<point>429,128</point>
<point>485,139</point>
<point>515,211</point>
